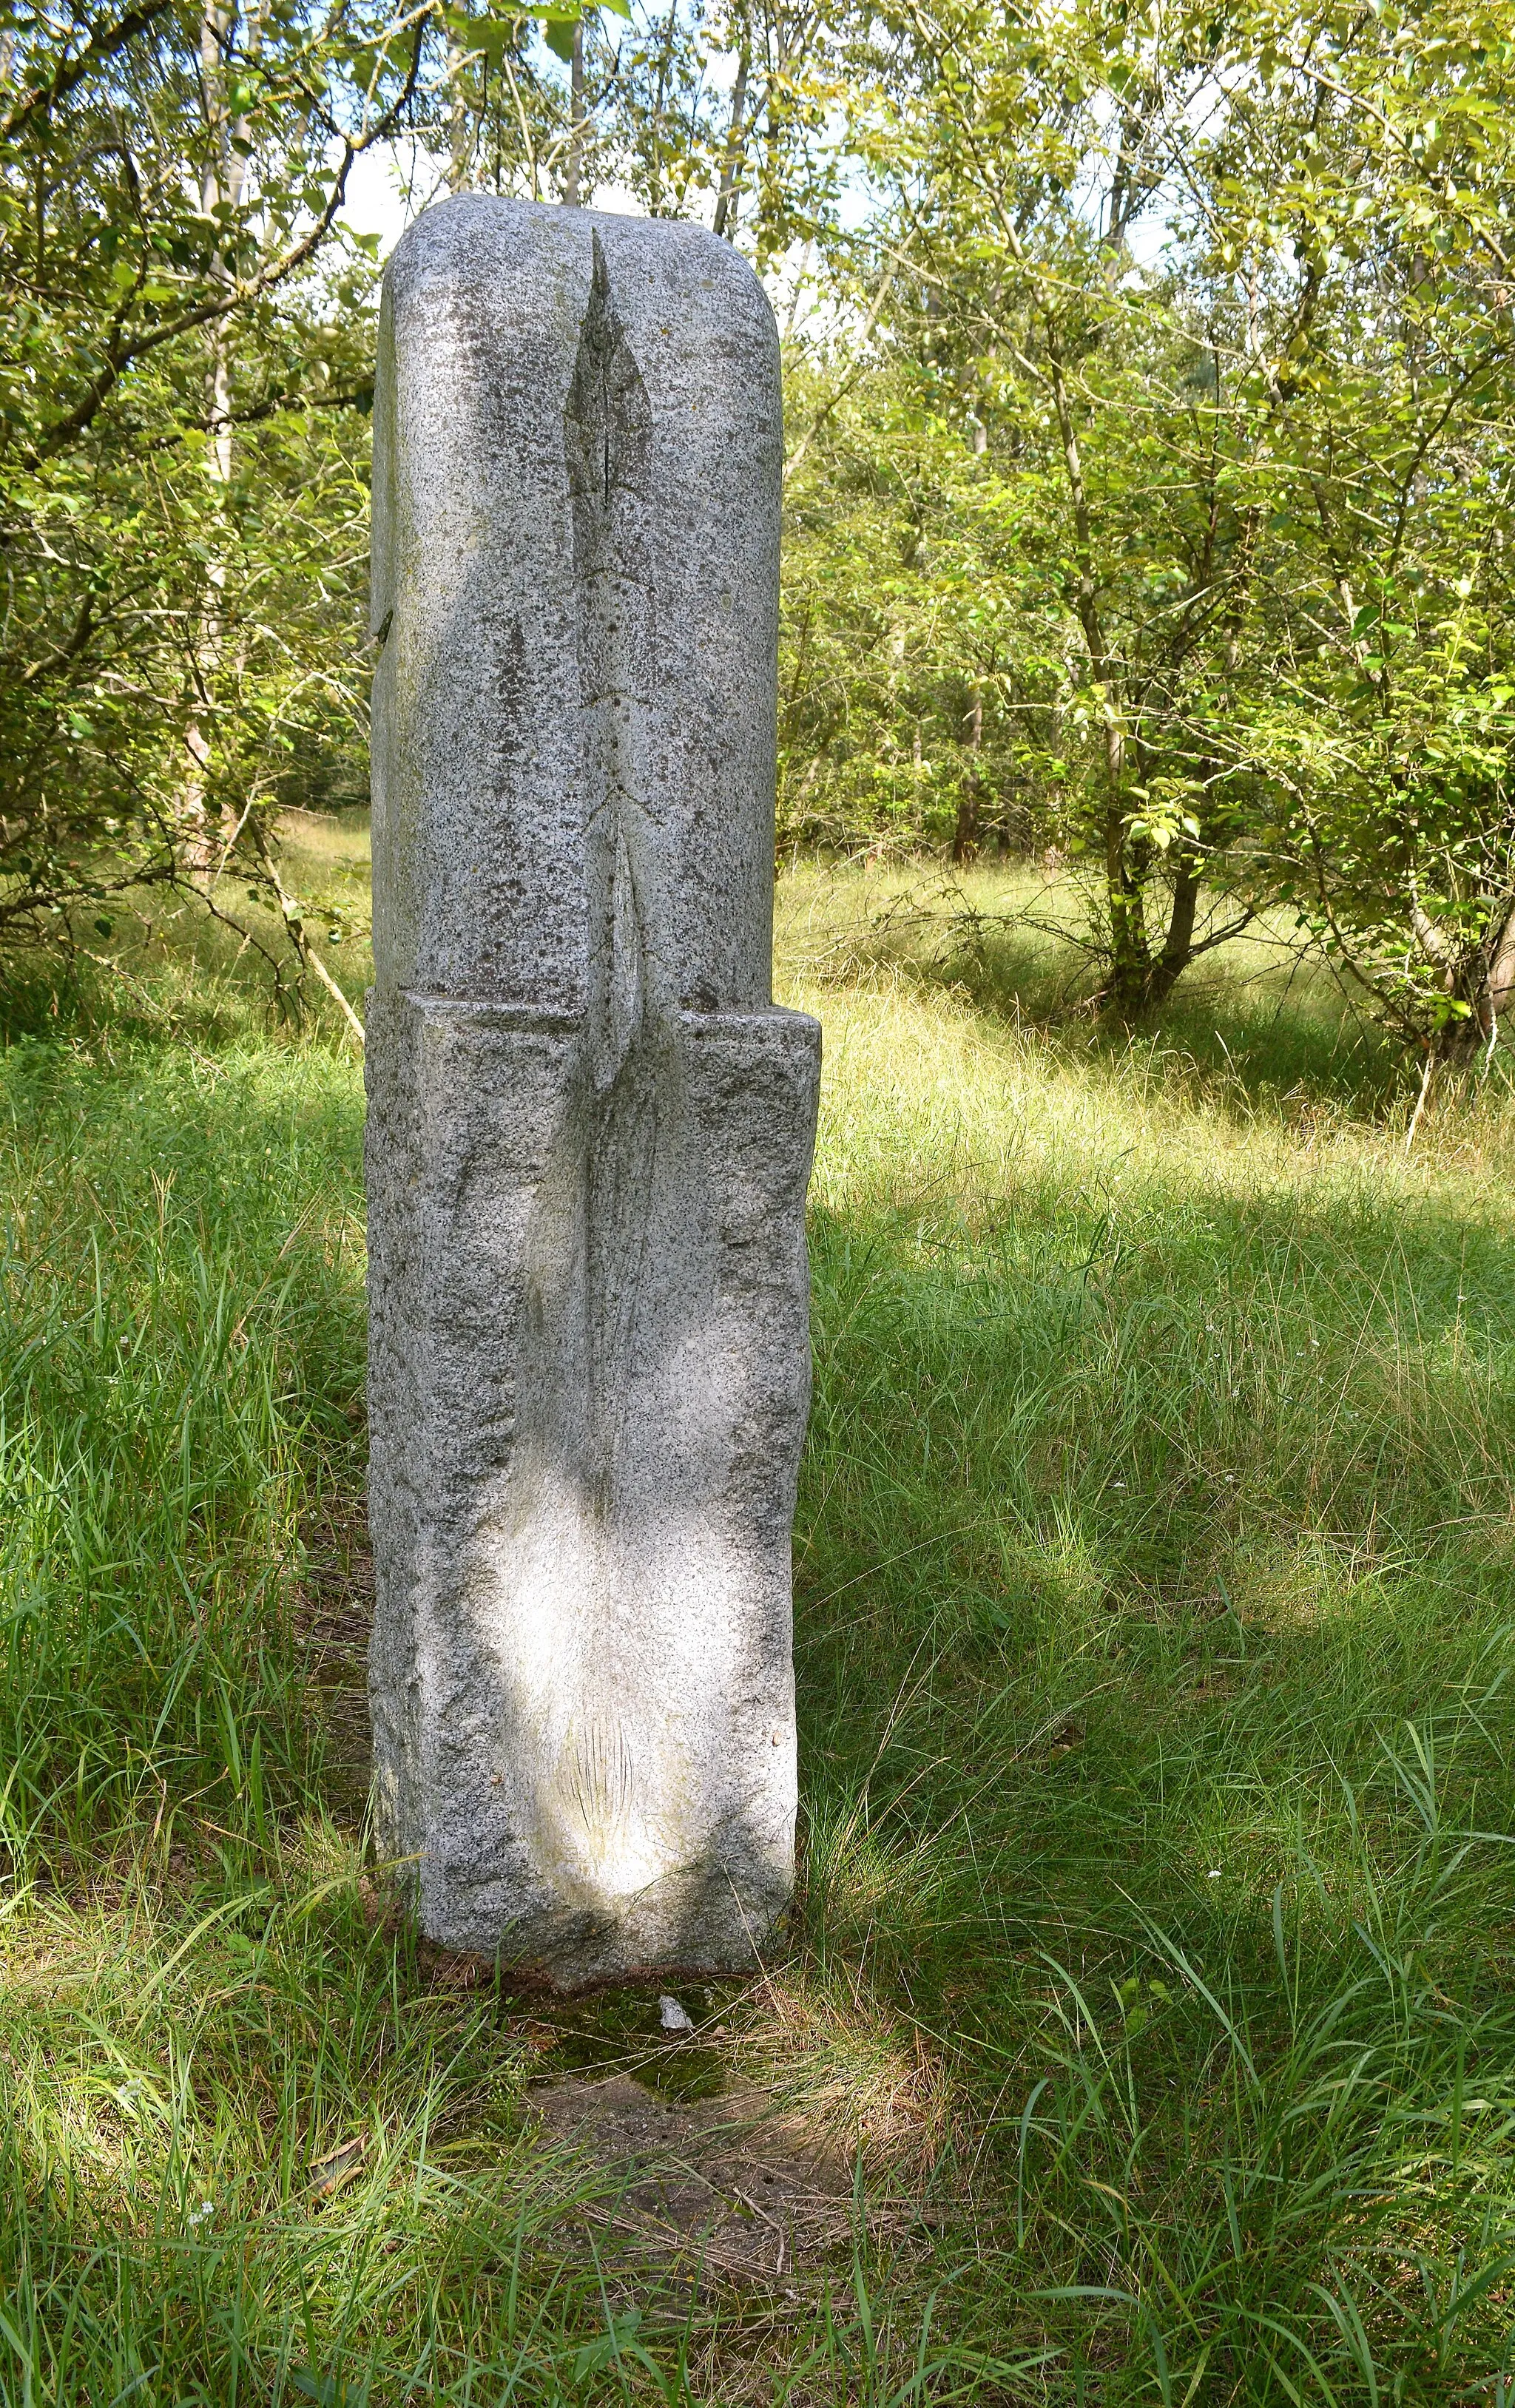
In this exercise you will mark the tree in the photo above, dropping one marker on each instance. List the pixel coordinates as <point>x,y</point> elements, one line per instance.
<point>1391,158</point>
<point>182,325</point>
<point>693,109</point>
<point>1221,447</point>
<point>917,706</point>
<point>186,362</point>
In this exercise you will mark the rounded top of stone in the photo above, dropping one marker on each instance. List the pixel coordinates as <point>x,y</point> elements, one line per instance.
<point>451,228</point>
<point>578,448</point>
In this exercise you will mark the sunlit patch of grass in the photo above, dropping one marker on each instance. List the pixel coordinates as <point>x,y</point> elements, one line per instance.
<point>1299,1585</point>
<point>873,1899</point>
<point>242,2093</point>
<point>863,2080</point>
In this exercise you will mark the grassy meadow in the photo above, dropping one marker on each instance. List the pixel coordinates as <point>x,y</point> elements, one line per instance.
<point>1152,1975</point>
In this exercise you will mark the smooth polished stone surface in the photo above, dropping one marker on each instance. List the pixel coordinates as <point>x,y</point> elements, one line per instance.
<point>589,1128</point>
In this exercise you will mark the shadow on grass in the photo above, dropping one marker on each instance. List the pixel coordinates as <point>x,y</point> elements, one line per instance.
<point>1153,1626</point>
<point>1153,1524</point>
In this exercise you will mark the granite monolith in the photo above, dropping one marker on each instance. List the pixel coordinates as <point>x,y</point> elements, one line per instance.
<point>589,1128</point>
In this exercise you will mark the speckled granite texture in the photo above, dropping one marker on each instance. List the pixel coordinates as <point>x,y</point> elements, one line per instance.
<point>589,1129</point>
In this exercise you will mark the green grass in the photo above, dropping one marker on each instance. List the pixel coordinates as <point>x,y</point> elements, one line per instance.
<point>1156,1940</point>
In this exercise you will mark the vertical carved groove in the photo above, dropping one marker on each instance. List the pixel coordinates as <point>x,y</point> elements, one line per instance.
<point>608,441</point>
<point>632,1059</point>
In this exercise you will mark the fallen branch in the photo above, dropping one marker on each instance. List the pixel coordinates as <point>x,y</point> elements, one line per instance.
<point>309,958</point>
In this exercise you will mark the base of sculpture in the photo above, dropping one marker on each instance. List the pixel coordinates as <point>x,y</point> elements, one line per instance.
<point>590,1377</point>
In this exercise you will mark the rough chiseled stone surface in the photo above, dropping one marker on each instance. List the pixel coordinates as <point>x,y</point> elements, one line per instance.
<point>589,1129</point>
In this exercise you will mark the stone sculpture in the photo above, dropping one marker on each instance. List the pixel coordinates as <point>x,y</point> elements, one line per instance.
<point>589,1129</point>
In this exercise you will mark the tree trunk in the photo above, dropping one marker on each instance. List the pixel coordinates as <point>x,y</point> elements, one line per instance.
<point>1501,979</point>
<point>1126,990</point>
<point>1482,978</point>
<point>222,184</point>
<point>965,836</point>
<point>1131,959</point>
<point>731,165</point>
<point>665,70</point>
<point>460,138</point>
<point>574,165</point>
<point>1178,945</point>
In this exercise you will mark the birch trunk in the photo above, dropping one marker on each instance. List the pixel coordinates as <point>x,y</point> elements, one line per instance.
<point>222,187</point>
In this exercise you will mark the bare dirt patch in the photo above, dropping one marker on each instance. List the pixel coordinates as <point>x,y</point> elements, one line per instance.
<point>730,2182</point>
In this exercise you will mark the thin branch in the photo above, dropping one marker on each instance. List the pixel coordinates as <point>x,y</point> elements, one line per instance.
<point>120,355</point>
<point>828,407</point>
<point>100,46</point>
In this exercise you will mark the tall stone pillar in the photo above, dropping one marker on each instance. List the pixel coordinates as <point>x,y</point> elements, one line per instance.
<point>589,1129</point>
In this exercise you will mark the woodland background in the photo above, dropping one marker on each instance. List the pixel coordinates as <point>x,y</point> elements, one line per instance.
<point>1151,383</point>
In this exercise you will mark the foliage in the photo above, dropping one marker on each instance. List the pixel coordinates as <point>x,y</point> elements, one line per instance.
<point>187,364</point>
<point>708,109</point>
<point>919,699</point>
<point>180,492</point>
<point>1149,377</point>
<point>1217,331</point>
<point>1150,387</point>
